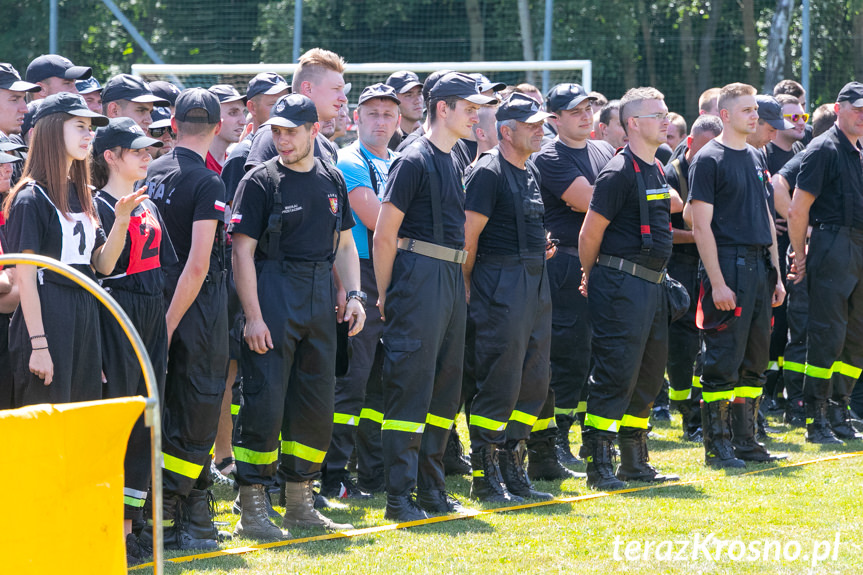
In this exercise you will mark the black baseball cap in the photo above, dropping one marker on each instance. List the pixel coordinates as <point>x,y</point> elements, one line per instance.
<point>267,83</point>
<point>67,103</point>
<point>132,88</point>
<point>88,86</point>
<point>770,110</point>
<point>566,97</point>
<point>484,84</point>
<point>852,92</point>
<point>461,86</point>
<point>431,80</point>
<point>292,111</point>
<point>29,121</point>
<point>11,80</point>
<point>521,108</point>
<point>165,90</point>
<point>403,80</point>
<point>161,118</point>
<point>226,93</point>
<point>9,158</point>
<point>7,145</point>
<point>198,99</point>
<point>56,66</point>
<point>719,320</point>
<point>123,132</point>
<point>378,90</point>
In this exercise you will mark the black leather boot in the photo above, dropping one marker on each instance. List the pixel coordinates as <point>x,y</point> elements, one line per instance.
<point>438,502</point>
<point>487,482</point>
<point>600,460</point>
<point>818,428</point>
<point>744,413</point>
<point>403,508</point>
<point>454,460</point>
<point>542,461</point>
<point>561,443</point>
<point>175,534</point>
<point>716,427</point>
<point>515,478</point>
<point>634,458</point>
<point>840,421</point>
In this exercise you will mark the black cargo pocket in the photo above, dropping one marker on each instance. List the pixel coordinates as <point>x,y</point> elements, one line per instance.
<point>398,349</point>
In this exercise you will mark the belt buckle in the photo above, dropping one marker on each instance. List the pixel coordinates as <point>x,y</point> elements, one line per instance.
<point>411,244</point>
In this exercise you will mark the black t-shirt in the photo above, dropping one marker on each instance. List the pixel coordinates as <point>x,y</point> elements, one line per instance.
<point>148,248</point>
<point>185,192</point>
<point>831,168</point>
<point>396,140</point>
<point>311,202</point>
<point>408,190</point>
<point>777,157</point>
<point>664,153</point>
<point>461,155</point>
<point>673,178</point>
<point>736,183</point>
<point>35,224</point>
<point>234,167</point>
<point>263,149</point>
<point>488,192</point>
<point>790,171</point>
<point>559,166</point>
<point>615,197</point>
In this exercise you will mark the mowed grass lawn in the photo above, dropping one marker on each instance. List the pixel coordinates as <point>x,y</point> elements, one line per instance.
<point>793,512</point>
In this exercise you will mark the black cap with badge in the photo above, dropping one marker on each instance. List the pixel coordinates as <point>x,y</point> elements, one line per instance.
<point>198,99</point>
<point>161,118</point>
<point>431,80</point>
<point>267,83</point>
<point>484,84</point>
<point>852,92</point>
<point>770,110</point>
<point>132,88</point>
<point>67,103</point>
<point>55,66</point>
<point>88,86</point>
<point>403,80</point>
<point>521,108</point>
<point>293,111</point>
<point>165,90</point>
<point>125,133</point>
<point>378,90</point>
<point>566,97</point>
<point>11,80</point>
<point>227,93</point>
<point>461,86</point>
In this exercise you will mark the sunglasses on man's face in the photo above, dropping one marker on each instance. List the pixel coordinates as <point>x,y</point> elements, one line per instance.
<point>159,132</point>
<point>796,117</point>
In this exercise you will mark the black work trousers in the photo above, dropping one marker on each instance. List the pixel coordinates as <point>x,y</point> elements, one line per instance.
<point>124,378</point>
<point>629,323</point>
<point>684,339</point>
<point>423,343</point>
<point>195,383</point>
<point>511,309</point>
<point>735,355</point>
<point>797,316</point>
<point>6,385</point>
<point>290,387</point>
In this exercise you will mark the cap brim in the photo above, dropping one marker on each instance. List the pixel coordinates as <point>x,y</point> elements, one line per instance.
<point>409,86</point>
<point>90,90</point>
<point>151,99</point>
<point>8,158</point>
<point>145,142</point>
<point>537,117</point>
<point>576,101</point>
<point>78,73</point>
<point>378,97</point>
<point>96,119</point>
<point>160,124</point>
<point>780,124</point>
<point>347,88</point>
<point>496,86</point>
<point>230,99</point>
<point>12,147</point>
<point>277,89</point>
<point>22,86</point>
<point>282,123</point>
<point>479,99</point>
<point>856,103</point>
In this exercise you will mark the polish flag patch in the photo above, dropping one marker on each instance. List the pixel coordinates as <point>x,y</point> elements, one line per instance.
<point>220,206</point>
<point>236,218</point>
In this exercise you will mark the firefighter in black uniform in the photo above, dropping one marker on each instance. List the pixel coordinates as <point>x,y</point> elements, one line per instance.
<point>290,212</point>
<point>569,166</point>
<point>417,252</point>
<point>829,196</point>
<point>510,299</point>
<point>624,246</point>
<point>730,203</point>
<point>684,341</point>
<point>191,200</point>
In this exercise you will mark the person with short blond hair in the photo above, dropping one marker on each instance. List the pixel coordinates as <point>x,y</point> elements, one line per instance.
<point>707,102</point>
<point>677,129</point>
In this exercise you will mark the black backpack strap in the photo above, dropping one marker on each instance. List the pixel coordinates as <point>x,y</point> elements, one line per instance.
<point>339,180</point>
<point>425,147</point>
<point>374,181</point>
<point>273,232</point>
<point>682,178</point>
<point>643,210</point>
<point>517,201</point>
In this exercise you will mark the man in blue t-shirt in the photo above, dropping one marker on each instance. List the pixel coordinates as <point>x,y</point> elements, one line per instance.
<point>359,400</point>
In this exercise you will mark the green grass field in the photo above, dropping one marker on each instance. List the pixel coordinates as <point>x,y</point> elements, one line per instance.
<point>785,512</point>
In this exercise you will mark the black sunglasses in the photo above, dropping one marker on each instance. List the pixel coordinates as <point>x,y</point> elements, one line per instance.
<point>159,132</point>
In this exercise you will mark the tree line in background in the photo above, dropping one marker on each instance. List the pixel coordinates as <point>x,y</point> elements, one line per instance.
<point>680,46</point>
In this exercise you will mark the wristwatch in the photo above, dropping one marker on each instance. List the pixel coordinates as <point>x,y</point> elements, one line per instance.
<point>359,295</point>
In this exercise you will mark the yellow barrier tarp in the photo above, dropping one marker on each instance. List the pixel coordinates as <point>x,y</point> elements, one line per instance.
<point>61,487</point>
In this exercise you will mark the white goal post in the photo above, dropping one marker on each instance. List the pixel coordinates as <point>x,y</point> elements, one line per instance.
<point>205,74</point>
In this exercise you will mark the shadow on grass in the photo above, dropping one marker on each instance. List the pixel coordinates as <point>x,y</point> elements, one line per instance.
<point>203,566</point>
<point>667,491</point>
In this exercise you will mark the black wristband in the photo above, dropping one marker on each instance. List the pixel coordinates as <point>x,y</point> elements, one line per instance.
<point>32,337</point>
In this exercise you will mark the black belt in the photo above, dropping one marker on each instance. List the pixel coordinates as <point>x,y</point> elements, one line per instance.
<point>506,259</point>
<point>432,250</point>
<point>631,268</point>
<point>570,250</point>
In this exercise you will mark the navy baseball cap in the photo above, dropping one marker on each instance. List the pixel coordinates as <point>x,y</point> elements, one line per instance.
<point>161,118</point>
<point>67,103</point>
<point>123,132</point>
<point>484,84</point>
<point>770,110</point>
<point>88,86</point>
<point>461,86</point>
<point>521,108</point>
<point>226,93</point>
<point>165,90</point>
<point>566,97</point>
<point>132,88</point>
<point>7,145</point>
<point>292,111</point>
<point>267,83</point>
<point>9,158</point>
<point>431,80</point>
<point>852,92</point>
<point>198,99</point>
<point>11,80</point>
<point>403,80</point>
<point>378,91</point>
<point>56,66</point>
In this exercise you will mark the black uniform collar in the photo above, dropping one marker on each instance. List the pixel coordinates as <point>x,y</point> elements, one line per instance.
<point>844,142</point>
<point>189,153</point>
